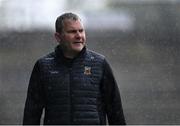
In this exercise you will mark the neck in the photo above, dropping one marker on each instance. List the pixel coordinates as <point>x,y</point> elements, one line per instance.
<point>70,55</point>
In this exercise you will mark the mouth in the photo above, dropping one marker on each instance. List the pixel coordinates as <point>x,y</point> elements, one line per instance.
<point>77,42</point>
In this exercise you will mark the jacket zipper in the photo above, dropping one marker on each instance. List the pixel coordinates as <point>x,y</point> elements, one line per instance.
<point>70,97</point>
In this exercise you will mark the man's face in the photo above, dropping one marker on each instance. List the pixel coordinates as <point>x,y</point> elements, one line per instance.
<point>72,38</point>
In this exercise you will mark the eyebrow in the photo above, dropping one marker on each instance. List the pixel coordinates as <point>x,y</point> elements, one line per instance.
<point>74,30</point>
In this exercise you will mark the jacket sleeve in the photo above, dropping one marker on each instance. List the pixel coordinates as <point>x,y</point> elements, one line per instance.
<point>34,101</point>
<point>112,99</point>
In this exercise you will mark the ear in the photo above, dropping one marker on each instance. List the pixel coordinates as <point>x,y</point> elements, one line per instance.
<point>57,36</point>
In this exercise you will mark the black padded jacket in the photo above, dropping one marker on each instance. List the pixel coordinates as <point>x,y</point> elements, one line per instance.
<point>78,91</point>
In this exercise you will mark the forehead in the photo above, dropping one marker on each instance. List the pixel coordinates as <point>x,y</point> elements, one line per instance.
<point>70,23</point>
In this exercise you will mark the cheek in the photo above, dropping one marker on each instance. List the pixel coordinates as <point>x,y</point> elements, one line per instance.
<point>69,38</point>
<point>84,37</point>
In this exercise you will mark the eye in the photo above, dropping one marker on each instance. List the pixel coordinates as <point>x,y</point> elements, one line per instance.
<point>81,30</point>
<point>72,31</point>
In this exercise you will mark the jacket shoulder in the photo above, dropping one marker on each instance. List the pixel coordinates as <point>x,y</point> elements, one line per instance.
<point>96,55</point>
<point>47,58</point>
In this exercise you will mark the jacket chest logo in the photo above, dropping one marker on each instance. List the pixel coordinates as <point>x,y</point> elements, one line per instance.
<point>87,70</point>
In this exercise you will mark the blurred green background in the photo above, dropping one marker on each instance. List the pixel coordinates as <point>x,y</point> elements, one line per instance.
<point>140,39</point>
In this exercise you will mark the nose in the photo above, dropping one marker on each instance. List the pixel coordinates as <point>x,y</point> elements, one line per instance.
<point>78,34</point>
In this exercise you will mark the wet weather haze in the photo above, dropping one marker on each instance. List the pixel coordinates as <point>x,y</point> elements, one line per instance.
<point>140,39</point>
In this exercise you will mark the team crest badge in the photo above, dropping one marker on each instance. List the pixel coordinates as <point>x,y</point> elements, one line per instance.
<point>87,70</point>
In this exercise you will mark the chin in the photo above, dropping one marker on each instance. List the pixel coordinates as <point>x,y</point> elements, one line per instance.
<point>78,49</point>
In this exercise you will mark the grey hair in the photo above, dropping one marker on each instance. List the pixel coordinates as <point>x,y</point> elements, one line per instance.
<point>61,18</point>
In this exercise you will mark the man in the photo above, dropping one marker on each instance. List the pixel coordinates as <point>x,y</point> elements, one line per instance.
<point>72,84</point>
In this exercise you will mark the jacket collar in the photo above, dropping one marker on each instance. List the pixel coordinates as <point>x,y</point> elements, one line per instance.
<point>60,55</point>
